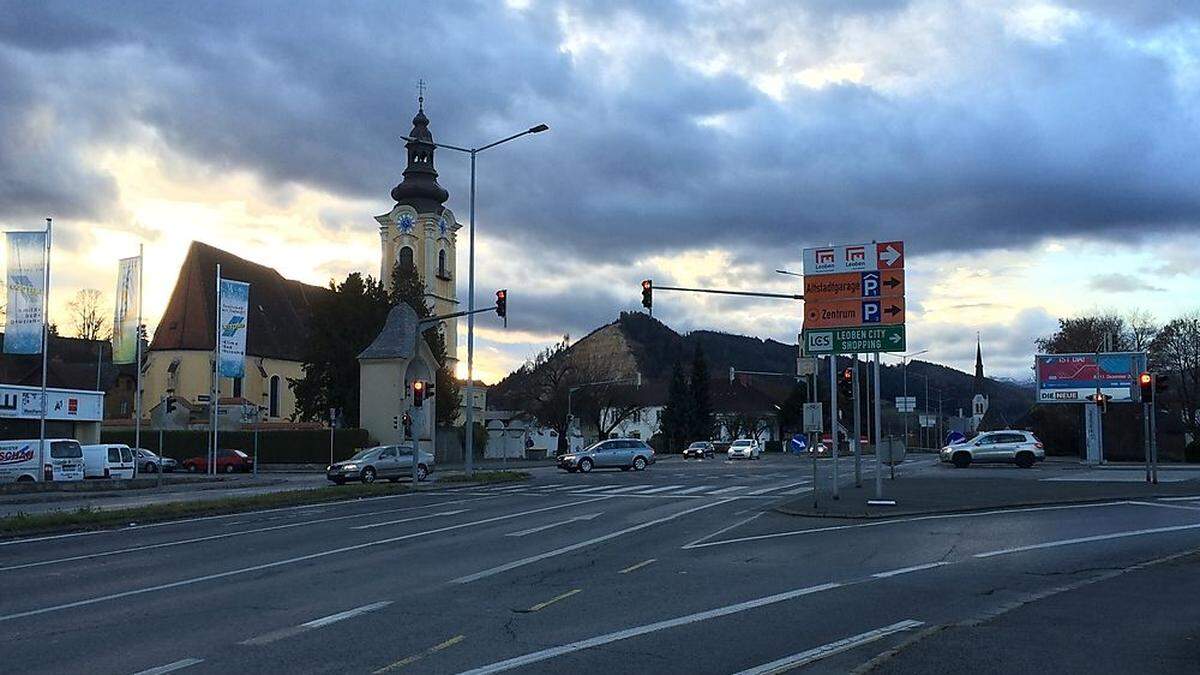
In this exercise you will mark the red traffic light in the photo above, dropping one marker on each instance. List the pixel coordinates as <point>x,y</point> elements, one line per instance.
<point>848,375</point>
<point>418,387</point>
<point>648,294</point>
<point>502,304</point>
<point>1146,384</point>
<point>1144,379</point>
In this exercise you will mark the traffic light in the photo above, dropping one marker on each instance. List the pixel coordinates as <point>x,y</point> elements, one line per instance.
<point>648,295</point>
<point>846,382</point>
<point>502,304</point>
<point>1101,400</point>
<point>1146,382</point>
<point>396,422</point>
<point>418,387</point>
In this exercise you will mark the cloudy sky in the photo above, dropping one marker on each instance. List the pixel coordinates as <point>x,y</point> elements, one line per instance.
<point>1038,158</point>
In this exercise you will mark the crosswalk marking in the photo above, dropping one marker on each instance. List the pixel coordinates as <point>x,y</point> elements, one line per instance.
<point>698,488</point>
<point>722,491</point>
<point>763,491</point>
<point>658,489</point>
<point>593,489</point>
<point>625,489</point>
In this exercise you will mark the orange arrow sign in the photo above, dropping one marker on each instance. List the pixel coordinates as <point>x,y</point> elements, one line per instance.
<point>853,313</point>
<point>849,285</point>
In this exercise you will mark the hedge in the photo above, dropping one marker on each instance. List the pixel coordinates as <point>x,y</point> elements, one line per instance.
<point>304,446</point>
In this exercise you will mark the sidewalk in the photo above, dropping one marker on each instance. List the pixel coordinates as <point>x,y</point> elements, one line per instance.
<point>924,494</point>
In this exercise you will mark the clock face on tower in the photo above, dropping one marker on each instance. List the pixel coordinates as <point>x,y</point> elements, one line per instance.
<point>405,222</point>
<point>442,227</point>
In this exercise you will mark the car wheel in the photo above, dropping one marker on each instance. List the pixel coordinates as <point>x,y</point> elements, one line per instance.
<point>368,475</point>
<point>585,465</point>
<point>422,472</point>
<point>1025,460</point>
<point>639,463</point>
<point>189,467</point>
<point>961,460</point>
<point>229,468</point>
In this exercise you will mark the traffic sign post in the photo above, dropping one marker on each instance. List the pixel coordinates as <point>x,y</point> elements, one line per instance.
<point>906,404</point>
<point>833,420</point>
<point>861,340</point>
<point>853,313</point>
<point>813,414</point>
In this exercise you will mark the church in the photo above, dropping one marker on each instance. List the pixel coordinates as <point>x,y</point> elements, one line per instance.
<point>418,230</point>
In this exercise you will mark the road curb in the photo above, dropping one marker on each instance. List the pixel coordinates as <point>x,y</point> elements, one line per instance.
<point>947,511</point>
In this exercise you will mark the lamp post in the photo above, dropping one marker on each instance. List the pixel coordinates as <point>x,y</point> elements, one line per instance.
<point>904,359</point>
<point>470,440</point>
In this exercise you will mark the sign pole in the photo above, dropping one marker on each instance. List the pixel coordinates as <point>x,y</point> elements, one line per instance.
<point>878,433</point>
<point>1146,436</point>
<point>1153,444</point>
<point>857,426</point>
<point>833,419</point>
<point>137,399</point>
<point>214,402</point>
<point>45,349</point>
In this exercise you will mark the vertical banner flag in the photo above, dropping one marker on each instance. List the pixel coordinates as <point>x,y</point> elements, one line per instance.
<point>26,292</point>
<point>235,299</point>
<point>125,321</point>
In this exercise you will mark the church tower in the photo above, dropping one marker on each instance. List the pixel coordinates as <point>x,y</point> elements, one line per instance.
<point>422,232</point>
<point>979,403</point>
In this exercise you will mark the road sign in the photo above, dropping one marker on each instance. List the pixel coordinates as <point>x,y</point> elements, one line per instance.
<point>850,285</point>
<point>892,450</point>
<point>854,340</point>
<point>888,255</point>
<point>928,421</point>
<point>814,417</point>
<point>853,313</point>
<point>906,404</point>
<point>1072,378</point>
<point>806,366</point>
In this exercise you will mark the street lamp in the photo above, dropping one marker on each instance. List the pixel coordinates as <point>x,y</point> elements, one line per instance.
<point>905,358</point>
<point>794,274</point>
<point>470,440</point>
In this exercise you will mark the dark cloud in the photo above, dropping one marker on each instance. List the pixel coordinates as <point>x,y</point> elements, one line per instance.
<point>1117,282</point>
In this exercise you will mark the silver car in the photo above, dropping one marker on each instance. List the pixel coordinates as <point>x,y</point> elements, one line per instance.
<point>745,448</point>
<point>622,453</point>
<point>148,462</point>
<point>392,462</point>
<point>1007,446</point>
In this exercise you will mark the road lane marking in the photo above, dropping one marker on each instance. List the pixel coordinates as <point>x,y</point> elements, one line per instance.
<point>1085,540</point>
<point>723,530</point>
<point>348,614</point>
<point>583,544</point>
<point>906,570</point>
<point>543,605</point>
<point>599,640</point>
<point>798,491</point>
<point>722,491</point>
<point>629,488</point>
<point>223,535</point>
<point>763,491</point>
<point>170,667</point>
<point>817,653</point>
<point>698,488</point>
<point>637,566</point>
<point>417,657</point>
<point>522,533</point>
<point>593,489</point>
<point>287,561</point>
<point>1160,505</point>
<point>665,488</point>
<point>1179,499</point>
<point>411,519</point>
<point>898,521</point>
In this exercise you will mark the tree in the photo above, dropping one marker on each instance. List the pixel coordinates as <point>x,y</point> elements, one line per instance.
<point>1086,334</point>
<point>343,324</point>
<point>550,374</point>
<point>1141,329</point>
<point>409,287</point>
<point>791,413</point>
<point>1175,354</point>
<point>86,314</point>
<point>674,424</point>
<point>701,423</point>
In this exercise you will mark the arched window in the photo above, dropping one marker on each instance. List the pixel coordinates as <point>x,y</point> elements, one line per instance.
<point>442,271</point>
<point>273,397</point>
<point>237,387</point>
<point>406,257</point>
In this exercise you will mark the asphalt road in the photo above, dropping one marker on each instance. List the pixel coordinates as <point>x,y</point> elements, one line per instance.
<point>683,568</point>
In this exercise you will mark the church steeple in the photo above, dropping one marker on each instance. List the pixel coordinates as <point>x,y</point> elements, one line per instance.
<point>978,365</point>
<point>420,188</point>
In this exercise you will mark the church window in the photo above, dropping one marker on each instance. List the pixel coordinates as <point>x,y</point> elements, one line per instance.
<point>442,271</point>
<point>406,257</point>
<point>273,397</point>
<point>237,387</point>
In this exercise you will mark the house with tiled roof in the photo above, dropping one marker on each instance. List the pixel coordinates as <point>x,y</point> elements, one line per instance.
<point>179,361</point>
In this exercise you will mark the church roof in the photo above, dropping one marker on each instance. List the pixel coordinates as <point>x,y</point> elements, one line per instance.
<point>279,308</point>
<point>420,188</point>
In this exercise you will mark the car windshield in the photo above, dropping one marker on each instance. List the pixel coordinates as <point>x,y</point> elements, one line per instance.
<point>741,444</point>
<point>594,446</point>
<point>65,450</point>
<point>361,454</point>
<point>696,445</point>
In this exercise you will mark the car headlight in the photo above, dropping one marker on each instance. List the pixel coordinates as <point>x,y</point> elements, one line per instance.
<point>349,467</point>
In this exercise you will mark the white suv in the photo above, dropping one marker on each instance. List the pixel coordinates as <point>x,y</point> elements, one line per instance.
<point>1007,446</point>
<point>745,448</point>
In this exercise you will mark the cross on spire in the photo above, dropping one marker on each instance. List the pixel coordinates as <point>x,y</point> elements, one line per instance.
<point>421,94</point>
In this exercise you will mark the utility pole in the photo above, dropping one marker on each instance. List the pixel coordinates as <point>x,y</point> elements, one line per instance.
<point>857,426</point>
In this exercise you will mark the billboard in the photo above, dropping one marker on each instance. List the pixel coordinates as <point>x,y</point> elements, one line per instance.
<point>1072,378</point>
<point>26,292</point>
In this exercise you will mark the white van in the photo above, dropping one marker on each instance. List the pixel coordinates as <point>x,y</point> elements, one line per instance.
<point>58,459</point>
<point>109,460</point>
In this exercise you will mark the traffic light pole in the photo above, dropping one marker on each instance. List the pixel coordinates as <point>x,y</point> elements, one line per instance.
<point>833,419</point>
<point>752,294</point>
<point>857,426</point>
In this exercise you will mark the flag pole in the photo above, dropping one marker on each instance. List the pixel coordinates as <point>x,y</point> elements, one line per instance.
<point>45,348</point>
<point>214,403</point>
<point>137,364</point>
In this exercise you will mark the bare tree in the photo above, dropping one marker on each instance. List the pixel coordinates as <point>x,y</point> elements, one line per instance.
<point>1175,353</point>
<point>86,314</point>
<point>1141,329</point>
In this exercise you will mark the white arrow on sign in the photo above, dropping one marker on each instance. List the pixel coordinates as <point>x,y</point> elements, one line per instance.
<point>532,530</point>
<point>895,338</point>
<point>889,255</point>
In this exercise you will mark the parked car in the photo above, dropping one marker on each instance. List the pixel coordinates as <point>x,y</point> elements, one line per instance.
<point>228,461</point>
<point>392,462</point>
<point>109,460</point>
<point>745,448</point>
<point>148,462</point>
<point>621,453</point>
<point>1008,446</point>
<point>699,450</point>
<point>55,459</point>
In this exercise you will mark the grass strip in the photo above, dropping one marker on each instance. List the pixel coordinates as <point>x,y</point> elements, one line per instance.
<point>88,518</point>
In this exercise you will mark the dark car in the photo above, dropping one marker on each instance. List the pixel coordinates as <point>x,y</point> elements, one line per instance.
<point>700,450</point>
<point>228,461</point>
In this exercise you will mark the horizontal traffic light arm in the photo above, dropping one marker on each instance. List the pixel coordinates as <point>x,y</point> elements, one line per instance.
<point>443,317</point>
<point>753,294</point>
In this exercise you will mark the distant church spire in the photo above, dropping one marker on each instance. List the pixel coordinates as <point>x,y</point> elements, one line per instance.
<point>978,365</point>
<point>420,188</point>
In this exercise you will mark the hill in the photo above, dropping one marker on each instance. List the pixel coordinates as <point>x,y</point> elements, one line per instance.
<point>637,343</point>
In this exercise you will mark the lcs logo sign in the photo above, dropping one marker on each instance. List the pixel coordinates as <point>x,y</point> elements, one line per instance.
<point>820,342</point>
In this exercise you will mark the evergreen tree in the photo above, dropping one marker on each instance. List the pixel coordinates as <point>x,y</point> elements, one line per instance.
<point>791,413</point>
<point>677,413</point>
<point>700,423</point>
<point>409,287</point>
<point>343,323</point>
